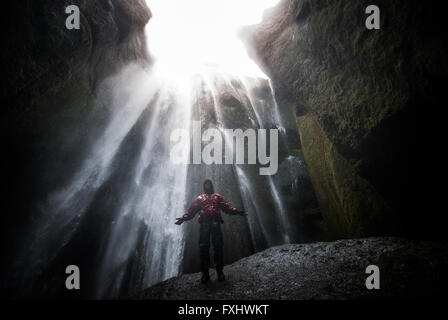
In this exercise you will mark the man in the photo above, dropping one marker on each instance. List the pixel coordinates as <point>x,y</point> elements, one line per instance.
<point>209,204</point>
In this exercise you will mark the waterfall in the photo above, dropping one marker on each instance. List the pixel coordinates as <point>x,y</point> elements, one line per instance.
<point>129,183</point>
<point>115,215</point>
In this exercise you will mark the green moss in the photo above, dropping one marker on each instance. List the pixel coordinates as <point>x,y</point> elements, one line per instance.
<point>351,207</point>
<point>363,89</point>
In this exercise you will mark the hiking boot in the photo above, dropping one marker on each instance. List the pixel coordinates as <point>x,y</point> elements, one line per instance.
<point>205,277</point>
<point>221,276</point>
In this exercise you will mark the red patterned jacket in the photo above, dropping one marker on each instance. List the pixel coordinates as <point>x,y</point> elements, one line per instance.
<point>209,206</point>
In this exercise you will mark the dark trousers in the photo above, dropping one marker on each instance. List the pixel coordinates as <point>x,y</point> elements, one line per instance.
<point>213,230</point>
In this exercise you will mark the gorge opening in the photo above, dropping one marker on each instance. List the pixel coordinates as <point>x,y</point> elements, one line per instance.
<point>115,214</point>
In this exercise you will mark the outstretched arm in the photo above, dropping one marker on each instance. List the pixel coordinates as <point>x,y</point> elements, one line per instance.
<point>195,206</point>
<point>227,208</point>
<point>191,212</point>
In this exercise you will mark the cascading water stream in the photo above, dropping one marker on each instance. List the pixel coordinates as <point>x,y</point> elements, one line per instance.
<point>127,193</point>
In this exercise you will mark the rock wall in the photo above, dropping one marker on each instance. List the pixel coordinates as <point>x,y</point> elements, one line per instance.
<point>50,80</point>
<point>355,93</point>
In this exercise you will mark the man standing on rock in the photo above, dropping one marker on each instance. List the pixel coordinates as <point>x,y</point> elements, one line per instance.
<point>209,204</point>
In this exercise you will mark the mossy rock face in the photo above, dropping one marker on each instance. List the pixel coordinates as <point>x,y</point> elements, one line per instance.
<point>362,87</point>
<point>351,205</point>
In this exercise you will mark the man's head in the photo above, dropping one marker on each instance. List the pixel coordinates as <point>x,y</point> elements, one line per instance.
<point>208,186</point>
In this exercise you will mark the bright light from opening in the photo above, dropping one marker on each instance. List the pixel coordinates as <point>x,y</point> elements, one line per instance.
<point>189,34</point>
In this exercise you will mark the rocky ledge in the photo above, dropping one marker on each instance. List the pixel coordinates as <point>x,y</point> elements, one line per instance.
<point>321,270</point>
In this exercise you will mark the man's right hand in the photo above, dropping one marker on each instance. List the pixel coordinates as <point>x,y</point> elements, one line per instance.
<point>179,221</point>
<point>242,213</point>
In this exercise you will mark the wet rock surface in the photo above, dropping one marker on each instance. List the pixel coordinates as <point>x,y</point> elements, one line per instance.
<point>355,93</point>
<point>50,87</point>
<point>321,270</point>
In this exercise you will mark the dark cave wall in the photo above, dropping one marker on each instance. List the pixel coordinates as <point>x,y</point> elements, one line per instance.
<point>356,94</point>
<point>50,80</point>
